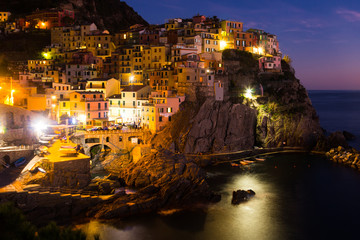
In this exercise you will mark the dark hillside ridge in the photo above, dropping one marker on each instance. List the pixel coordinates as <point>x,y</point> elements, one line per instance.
<point>113,15</point>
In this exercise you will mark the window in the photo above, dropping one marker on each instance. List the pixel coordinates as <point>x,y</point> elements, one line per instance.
<point>134,103</point>
<point>120,139</point>
<point>88,106</point>
<point>64,104</point>
<point>123,95</point>
<point>160,119</point>
<point>99,115</point>
<point>88,115</point>
<point>99,105</point>
<point>110,103</point>
<point>75,105</point>
<point>133,94</point>
<point>187,77</point>
<point>105,105</point>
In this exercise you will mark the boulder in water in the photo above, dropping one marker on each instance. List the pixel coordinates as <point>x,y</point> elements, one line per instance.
<point>240,196</point>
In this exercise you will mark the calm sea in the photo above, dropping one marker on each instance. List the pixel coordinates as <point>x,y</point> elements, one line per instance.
<point>298,196</point>
<point>338,111</point>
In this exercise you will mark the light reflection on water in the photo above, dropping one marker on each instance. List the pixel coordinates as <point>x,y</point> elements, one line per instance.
<point>299,199</point>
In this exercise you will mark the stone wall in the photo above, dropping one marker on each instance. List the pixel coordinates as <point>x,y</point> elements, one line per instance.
<point>70,174</point>
<point>13,155</point>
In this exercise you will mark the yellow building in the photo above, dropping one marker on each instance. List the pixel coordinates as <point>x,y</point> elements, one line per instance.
<point>210,42</point>
<point>100,45</point>
<point>155,57</point>
<point>126,108</point>
<point>107,86</point>
<point>40,65</point>
<point>148,116</point>
<point>39,102</point>
<point>4,16</point>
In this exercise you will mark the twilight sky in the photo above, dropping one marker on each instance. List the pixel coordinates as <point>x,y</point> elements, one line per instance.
<point>321,36</point>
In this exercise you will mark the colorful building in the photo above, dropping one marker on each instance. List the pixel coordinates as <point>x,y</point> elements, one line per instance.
<point>270,64</point>
<point>4,16</point>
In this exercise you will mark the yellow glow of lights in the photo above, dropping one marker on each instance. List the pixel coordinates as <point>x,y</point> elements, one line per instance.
<point>12,91</point>
<point>43,24</point>
<point>53,97</point>
<point>248,93</point>
<point>261,51</point>
<point>131,78</point>
<point>82,118</point>
<point>223,45</point>
<point>46,55</point>
<point>2,130</point>
<point>53,105</point>
<point>258,50</point>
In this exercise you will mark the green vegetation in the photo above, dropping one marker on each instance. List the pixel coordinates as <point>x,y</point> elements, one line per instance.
<point>246,59</point>
<point>14,226</point>
<point>23,46</point>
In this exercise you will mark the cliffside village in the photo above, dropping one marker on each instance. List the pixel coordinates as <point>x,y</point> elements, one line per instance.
<point>138,76</point>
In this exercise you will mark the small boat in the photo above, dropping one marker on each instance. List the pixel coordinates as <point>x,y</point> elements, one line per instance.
<point>4,164</point>
<point>41,170</point>
<point>19,162</point>
<point>260,159</point>
<point>235,165</point>
<point>248,161</point>
<point>244,163</point>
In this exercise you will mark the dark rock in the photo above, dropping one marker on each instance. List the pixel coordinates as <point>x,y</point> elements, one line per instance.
<point>240,196</point>
<point>348,136</point>
<point>337,139</point>
<point>104,188</point>
<point>150,190</point>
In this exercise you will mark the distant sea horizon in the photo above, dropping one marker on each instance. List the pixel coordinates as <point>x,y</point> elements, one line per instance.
<point>338,110</point>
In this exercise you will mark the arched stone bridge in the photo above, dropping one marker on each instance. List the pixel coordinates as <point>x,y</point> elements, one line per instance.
<point>114,139</point>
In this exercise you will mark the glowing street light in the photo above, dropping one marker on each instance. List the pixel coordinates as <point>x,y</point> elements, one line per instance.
<point>248,93</point>
<point>223,44</point>
<point>12,97</point>
<point>131,78</point>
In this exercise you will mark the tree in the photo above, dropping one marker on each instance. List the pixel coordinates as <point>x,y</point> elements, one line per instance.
<point>287,59</point>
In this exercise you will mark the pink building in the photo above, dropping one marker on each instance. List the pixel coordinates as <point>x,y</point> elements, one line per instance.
<point>166,105</point>
<point>270,64</point>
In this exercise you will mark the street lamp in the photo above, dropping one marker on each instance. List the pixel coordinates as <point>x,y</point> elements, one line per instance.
<point>131,78</point>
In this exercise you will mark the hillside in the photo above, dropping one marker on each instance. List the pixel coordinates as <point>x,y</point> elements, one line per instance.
<point>113,15</point>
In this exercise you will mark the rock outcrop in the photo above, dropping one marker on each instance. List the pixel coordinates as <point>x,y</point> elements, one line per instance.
<point>162,179</point>
<point>240,196</point>
<point>349,157</point>
<point>218,124</point>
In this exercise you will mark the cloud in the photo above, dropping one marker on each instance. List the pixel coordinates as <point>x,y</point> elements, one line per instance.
<point>311,23</point>
<point>349,15</point>
<point>304,40</point>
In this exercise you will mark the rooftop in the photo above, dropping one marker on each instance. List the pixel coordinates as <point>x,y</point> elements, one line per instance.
<point>133,88</point>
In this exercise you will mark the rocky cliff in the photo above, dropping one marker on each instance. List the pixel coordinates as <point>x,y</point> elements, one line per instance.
<point>281,115</point>
<point>162,179</point>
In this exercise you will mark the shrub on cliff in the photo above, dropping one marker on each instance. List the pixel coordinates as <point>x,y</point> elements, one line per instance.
<point>246,59</point>
<point>14,226</point>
